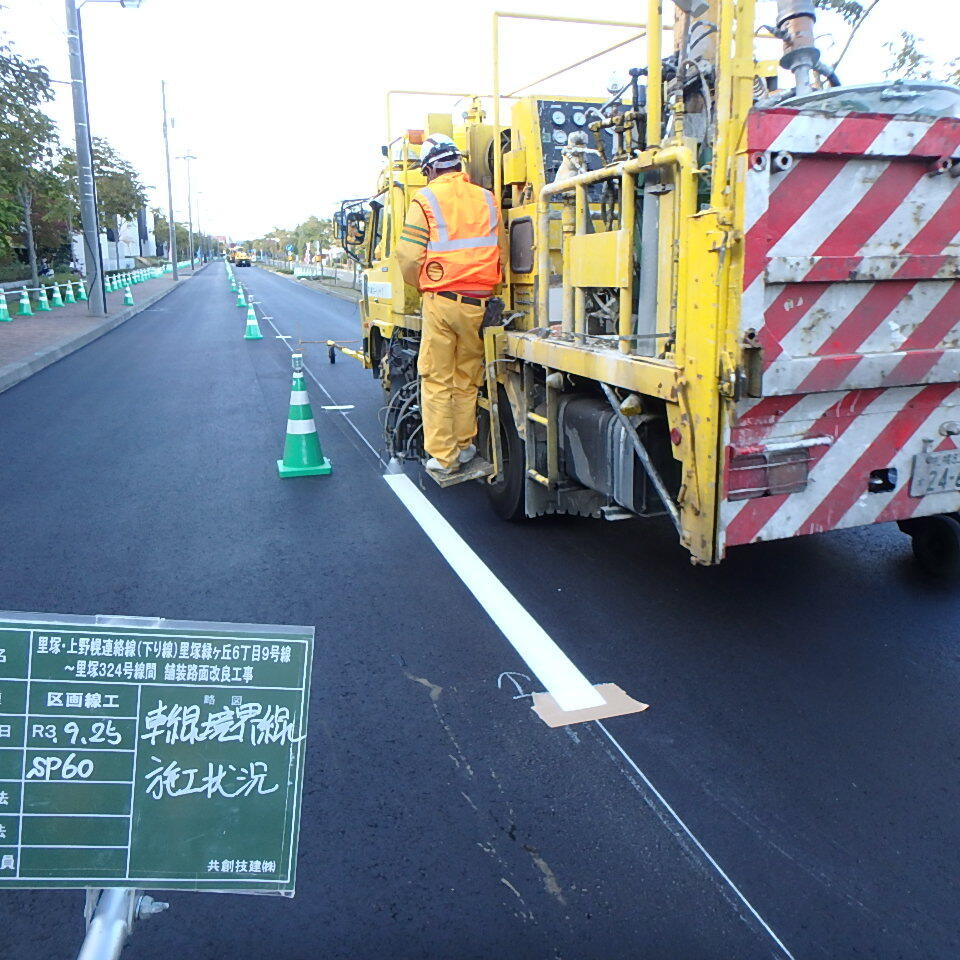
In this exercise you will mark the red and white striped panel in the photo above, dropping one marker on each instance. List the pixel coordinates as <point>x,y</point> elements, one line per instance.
<point>869,430</point>
<point>860,134</point>
<point>852,258</point>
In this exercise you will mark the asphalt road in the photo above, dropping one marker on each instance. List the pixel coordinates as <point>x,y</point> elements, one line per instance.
<point>802,727</point>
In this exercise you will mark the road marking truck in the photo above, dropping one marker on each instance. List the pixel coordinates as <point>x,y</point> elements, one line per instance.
<point>733,291</point>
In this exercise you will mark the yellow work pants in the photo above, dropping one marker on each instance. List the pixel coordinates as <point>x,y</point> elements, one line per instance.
<point>451,369</point>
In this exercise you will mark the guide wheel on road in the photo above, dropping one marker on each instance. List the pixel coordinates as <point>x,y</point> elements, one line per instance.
<point>936,544</point>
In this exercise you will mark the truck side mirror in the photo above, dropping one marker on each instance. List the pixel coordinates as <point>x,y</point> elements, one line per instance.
<point>384,150</point>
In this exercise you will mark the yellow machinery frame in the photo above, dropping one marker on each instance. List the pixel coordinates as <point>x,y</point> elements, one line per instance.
<point>699,275</point>
<point>701,268</point>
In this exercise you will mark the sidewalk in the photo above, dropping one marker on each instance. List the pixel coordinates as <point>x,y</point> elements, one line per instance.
<point>333,287</point>
<point>28,344</point>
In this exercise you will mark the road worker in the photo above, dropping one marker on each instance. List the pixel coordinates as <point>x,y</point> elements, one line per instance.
<point>450,250</point>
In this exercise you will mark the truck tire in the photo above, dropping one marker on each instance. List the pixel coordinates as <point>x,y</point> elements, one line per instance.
<point>936,545</point>
<point>507,495</point>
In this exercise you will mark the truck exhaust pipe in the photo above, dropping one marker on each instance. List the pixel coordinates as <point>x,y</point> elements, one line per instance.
<point>795,20</point>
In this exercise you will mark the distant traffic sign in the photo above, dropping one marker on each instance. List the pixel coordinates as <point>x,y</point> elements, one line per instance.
<point>151,753</point>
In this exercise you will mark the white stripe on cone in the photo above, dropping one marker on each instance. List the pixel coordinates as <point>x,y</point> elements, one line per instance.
<point>299,397</point>
<point>301,426</point>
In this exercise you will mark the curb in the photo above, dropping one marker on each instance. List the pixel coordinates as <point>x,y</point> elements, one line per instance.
<point>17,372</point>
<point>333,293</point>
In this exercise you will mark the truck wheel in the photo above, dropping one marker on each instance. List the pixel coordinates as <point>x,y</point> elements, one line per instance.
<point>507,494</point>
<point>936,545</point>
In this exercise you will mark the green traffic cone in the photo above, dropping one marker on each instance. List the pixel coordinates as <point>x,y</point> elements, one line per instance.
<point>302,453</point>
<point>81,290</point>
<point>42,303</point>
<point>4,309</point>
<point>68,296</point>
<point>109,284</point>
<point>127,297</point>
<point>241,302</point>
<point>253,328</point>
<point>25,309</point>
<point>233,284</point>
<point>56,300</point>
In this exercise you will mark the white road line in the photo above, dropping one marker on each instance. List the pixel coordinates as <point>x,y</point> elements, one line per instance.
<point>569,687</point>
<point>552,667</point>
<point>713,863</point>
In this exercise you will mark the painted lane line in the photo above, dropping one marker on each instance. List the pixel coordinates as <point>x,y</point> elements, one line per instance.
<point>338,406</point>
<point>502,608</point>
<point>568,686</point>
<point>703,850</point>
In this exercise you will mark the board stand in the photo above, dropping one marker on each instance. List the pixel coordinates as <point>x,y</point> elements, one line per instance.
<point>110,914</point>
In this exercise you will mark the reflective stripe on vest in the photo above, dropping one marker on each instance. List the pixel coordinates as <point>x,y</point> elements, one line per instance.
<point>472,243</point>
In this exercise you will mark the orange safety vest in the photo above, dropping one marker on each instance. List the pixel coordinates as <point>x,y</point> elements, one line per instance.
<point>463,250</point>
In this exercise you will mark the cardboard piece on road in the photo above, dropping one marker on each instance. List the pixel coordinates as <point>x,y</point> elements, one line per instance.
<point>617,704</point>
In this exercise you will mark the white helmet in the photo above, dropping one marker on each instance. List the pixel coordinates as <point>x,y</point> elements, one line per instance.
<point>439,152</point>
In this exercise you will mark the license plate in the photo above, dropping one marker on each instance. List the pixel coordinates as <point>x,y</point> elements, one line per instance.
<point>935,472</point>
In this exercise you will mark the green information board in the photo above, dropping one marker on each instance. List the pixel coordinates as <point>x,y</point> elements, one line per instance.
<point>151,753</point>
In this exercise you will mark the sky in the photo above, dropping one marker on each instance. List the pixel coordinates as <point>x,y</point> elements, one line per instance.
<point>282,101</point>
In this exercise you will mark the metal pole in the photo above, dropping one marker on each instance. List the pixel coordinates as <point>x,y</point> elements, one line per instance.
<point>92,254</point>
<point>110,926</point>
<point>112,922</point>
<point>188,157</point>
<point>172,228</point>
<point>199,228</point>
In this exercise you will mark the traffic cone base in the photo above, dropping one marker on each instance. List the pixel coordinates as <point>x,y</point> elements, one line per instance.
<point>323,470</point>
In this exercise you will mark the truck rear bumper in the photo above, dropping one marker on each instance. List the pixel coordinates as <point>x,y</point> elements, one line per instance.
<point>848,458</point>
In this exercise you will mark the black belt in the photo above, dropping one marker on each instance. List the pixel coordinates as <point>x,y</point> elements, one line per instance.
<point>472,301</point>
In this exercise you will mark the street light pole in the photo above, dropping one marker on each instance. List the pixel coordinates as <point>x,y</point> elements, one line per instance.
<point>203,244</point>
<point>92,254</point>
<point>188,157</point>
<point>172,234</point>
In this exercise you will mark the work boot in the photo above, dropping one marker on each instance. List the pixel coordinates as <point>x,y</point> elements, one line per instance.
<point>435,466</point>
<point>467,454</point>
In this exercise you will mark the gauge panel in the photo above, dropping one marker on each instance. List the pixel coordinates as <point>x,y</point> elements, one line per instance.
<point>557,122</point>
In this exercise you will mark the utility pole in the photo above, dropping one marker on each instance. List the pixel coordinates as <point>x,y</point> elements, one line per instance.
<point>92,255</point>
<point>172,236</point>
<point>203,245</point>
<point>188,157</point>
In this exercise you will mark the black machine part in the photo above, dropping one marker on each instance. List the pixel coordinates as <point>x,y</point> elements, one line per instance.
<point>599,453</point>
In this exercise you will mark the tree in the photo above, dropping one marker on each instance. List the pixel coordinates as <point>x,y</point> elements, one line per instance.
<point>120,194</point>
<point>853,13</point>
<point>910,62</point>
<point>315,231</point>
<point>850,10</point>
<point>28,144</point>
